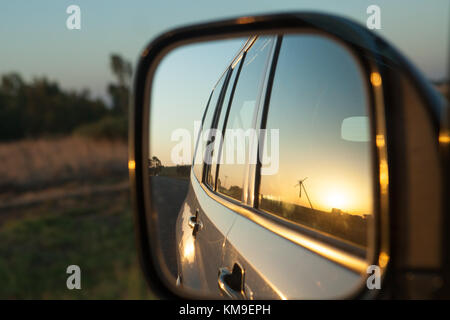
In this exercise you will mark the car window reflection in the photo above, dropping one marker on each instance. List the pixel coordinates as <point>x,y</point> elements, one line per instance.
<point>324,181</point>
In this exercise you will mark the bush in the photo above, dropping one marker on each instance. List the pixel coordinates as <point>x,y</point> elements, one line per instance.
<point>111,128</point>
<point>40,108</point>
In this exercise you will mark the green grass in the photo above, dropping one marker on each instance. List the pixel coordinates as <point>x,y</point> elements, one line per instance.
<point>94,232</point>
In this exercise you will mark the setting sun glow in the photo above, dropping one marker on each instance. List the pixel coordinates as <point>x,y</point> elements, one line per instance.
<point>336,199</point>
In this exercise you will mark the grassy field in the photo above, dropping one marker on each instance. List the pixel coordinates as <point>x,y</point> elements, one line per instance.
<point>95,232</point>
<point>44,230</point>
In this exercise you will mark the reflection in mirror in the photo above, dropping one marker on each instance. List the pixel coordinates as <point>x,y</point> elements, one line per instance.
<point>323,181</point>
<point>260,167</point>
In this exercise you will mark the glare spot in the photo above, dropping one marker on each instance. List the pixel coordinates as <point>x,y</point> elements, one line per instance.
<point>383,260</point>
<point>189,249</point>
<point>444,138</point>
<point>380,141</point>
<point>375,79</point>
<point>245,20</point>
<point>384,176</point>
<point>336,200</point>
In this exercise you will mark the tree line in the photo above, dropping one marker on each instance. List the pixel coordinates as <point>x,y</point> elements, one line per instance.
<point>41,108</point>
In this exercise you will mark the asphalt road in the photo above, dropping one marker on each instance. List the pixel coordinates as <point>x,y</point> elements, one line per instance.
<point>168,195</point>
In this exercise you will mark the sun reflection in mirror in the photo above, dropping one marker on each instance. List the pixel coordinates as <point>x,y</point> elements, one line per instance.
<point>337,199</point>
<point>187,243</point>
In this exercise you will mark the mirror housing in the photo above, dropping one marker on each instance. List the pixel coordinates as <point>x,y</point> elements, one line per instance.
<point>391,79</point>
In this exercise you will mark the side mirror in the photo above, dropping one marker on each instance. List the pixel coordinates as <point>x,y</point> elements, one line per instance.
<point>264,159</point>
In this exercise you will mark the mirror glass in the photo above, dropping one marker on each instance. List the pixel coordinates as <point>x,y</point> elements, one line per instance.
<point>260,167</point>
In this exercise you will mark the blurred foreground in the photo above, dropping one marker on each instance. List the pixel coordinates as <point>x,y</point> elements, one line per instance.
<point>66,201</point>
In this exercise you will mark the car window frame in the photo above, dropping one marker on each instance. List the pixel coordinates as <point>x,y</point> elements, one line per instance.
<point>237,65</point>
<point>240,59</point>
<point>197,141</point>
<point>217,111</point>
<point>248,43</point>
<point>202,129</point>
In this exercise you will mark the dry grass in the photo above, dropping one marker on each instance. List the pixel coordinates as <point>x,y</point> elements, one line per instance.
<point>36,164</point>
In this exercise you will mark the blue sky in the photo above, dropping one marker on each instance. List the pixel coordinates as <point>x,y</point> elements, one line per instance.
<point>36,42</point>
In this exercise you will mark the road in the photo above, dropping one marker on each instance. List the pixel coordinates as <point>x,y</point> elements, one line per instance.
<point>168,196</point>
